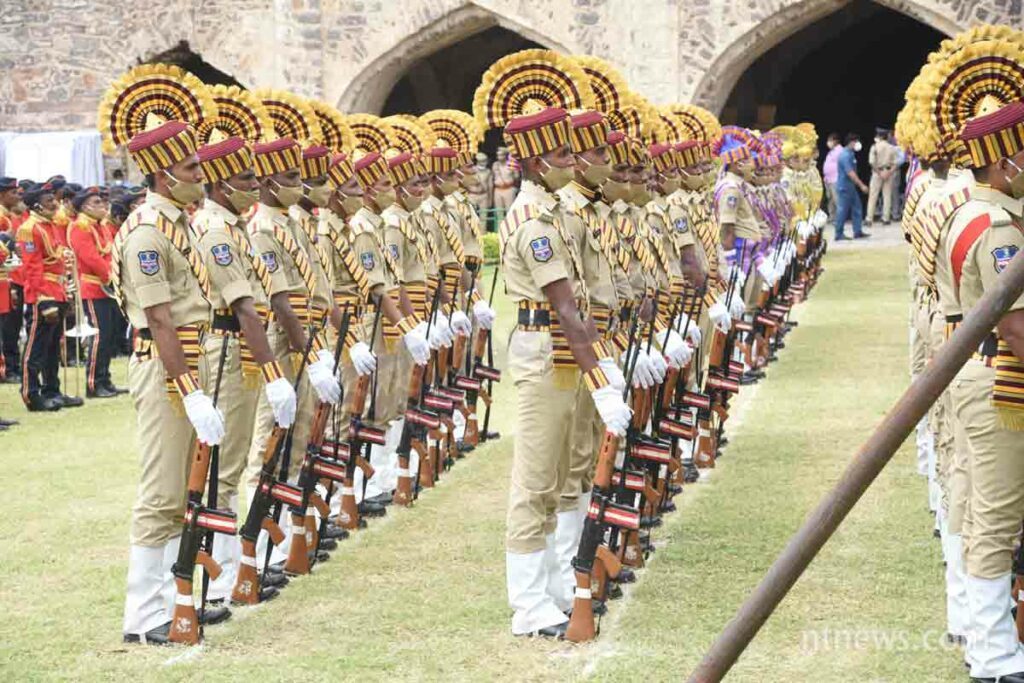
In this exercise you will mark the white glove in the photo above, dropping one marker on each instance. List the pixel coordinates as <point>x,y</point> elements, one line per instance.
<point>720,316</point>
<point>658,366</point>
<point>820,219</point>
<point>440,333</point>
<point>281,397</point>
<point>613,410</point>
<point>804,229</point>
<point>615,377</point>
<point>484,314</point>
<point>683,322</point>
<point>643,376</point>
<point>741,276</point>
<point>767,272</point>
<point>205,417</point>
<point>321,376</point>
<point>675,349</point>
<point>363,359</point>
<point>418,347</point>
<point>460,323</point>
<point>736,307</point>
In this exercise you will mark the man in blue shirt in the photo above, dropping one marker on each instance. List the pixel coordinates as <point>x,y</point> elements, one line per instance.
<point>847,184</point>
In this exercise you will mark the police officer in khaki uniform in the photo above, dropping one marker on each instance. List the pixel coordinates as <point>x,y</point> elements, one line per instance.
<point>504,184</point>
<point>239,282</point>
<point>983,235</point>
<point>479,188</point>
<point>294,283</point>
<point>163,285</point>
<point>882,158</point>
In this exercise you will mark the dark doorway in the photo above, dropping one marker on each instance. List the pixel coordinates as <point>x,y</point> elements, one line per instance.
<point>845,73</point>
<point>182,55</point>
<point>448,78</point>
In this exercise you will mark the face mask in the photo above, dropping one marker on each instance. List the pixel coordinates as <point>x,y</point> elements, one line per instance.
<point>693,182</point>
<point>411,201</point>
<point>1016,182</point>
<point>640,195</point>
<point>595,174</point>
<point>241,200</point>
<point>556,177</point>
<point>857,146</point>
<point>319,194</point>
<point>350,204</point>
<point>288,195</point>
<point>669,185</point>
<point>385,199</point>
<point>615,190</point>
<point>185,193</point>
<point>447,187</point>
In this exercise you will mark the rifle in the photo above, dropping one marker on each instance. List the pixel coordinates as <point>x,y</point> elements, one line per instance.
<point>298,562</point>
<point>416,422</point>
<point>1018,588</point>
<point>488,372</point>
<point>591,554</point>
<point>269,491</point>
<point>201,521</point>
<point>358,434</point>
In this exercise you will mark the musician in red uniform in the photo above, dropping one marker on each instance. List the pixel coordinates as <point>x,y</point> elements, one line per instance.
<point>10,282</point>
<point>42,254</point>
<point>92,243</point>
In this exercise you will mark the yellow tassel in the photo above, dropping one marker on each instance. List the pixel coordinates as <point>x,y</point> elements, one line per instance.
<point>566,378</point>
<point>1010,419</point>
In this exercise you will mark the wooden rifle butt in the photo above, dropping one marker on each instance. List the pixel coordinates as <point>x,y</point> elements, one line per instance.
<point>669,391</point>
<point>1018,586</point>
<point>480,343</point>
<point>298,551</point>
<point>717,353</point>
<point>403,488</point>
<point>608,561</point>
<point>247,584</point>
<point>472,434</point>
<point>312,534</point>
<point>581,624</point>
<point>348,518</point>
<point>426,474</point>
<point>184,623</point>
<point>273,530</point>
<point>458,349</point>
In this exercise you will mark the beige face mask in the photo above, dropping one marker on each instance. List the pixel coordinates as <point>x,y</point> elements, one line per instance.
<point>693,182</point>
<point>556,177</point>
<point>185,193</point>
<point>615,190</point>
<point>241,200</point>
<point>319,194</point>
<point>287,195</point>
<point>350,204</point>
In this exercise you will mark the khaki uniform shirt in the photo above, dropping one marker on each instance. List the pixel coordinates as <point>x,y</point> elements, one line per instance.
<point>882,155</point>
<point>437,222</point>
<point>641,266</point>
<point>229,256</point>
<point>405,246</point>
<point>733,207</point>
<point>622,253</point>
<point>280,262</point>
<point>597,267</point>
<point>305,231</point>
<point>348,269</point>
<point>458,204</point>
<point>153,271</point>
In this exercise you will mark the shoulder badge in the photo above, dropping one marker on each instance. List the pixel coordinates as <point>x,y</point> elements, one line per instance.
<point>366,258</point>
<point>682,225</point>
<point>149,262</point>
<point>393,248</point>
<point>1002,256</point>
<point>270,261</point>
<point>732,201</point>
<point>542,251</point>
<point>221,254</point>
<point>29,246</point>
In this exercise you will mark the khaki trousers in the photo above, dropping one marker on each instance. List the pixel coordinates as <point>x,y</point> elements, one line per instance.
<point>877,186</point>
<point>587,433</point>
<point>165,439</point>
<point>940,419</point>
<point>920,333</point>
<point>238,404</point>
<point>545,400</point>
<point>996,471</point>
<point>263,423</point>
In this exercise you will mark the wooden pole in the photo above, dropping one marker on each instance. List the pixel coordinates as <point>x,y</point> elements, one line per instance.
<point>859,474</point>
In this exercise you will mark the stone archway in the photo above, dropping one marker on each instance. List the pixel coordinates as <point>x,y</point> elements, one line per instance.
<point>368,90</point>
<point>763,33</point>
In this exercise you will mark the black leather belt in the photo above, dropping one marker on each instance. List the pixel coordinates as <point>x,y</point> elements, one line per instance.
<point>954,319</point>
<point>989,347</point>
<point>626,314</point>
<point>534,317</point>
<point>144,333</point>
<point>226,323</point>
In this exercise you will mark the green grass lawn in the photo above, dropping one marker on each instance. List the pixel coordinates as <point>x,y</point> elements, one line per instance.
<point>420,595</point>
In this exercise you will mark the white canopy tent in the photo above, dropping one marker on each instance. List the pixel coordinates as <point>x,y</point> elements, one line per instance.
<point>73,154</point>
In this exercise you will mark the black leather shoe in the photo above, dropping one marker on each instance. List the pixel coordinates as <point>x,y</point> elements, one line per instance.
<point>266,593</point>
<point>626,575</point>
<point>69,401</point>
<point>668,506</point>
<point>383,499</point>
<point>368,508</point>
<point>276,568</point>
<point>463,447</point>
<point>614,591</point>
<point>213,615</point>
<point>116,390</point>
<point>723,442</point>
<point>335,532</point>
<point>38,404</point>
<point>491,436</point>
<point>675,489</point>
<point>600,609</point>
<point>691,473</point>
<point>748,378</point>
<point>275,580</point>
<point>4,428</point>
<point>322,556</point>
<point>649,522</point>
<point>157,636</point>
<point>328,544</point>
<point>12,379</point>
<point>101,392</point>
<point>557,632</point>
<point>956,640</point>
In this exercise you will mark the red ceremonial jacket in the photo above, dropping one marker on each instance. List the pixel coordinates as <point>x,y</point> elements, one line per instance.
<point>92,248</point>
<point>42,257</point>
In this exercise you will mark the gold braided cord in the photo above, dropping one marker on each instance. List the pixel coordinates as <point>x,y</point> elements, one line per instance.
<point>526,82</point>
<point>148,96</point>
<point>638,119</point>
<point>292,116</point>
<point>699,124</point>
<point>239,114</point>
